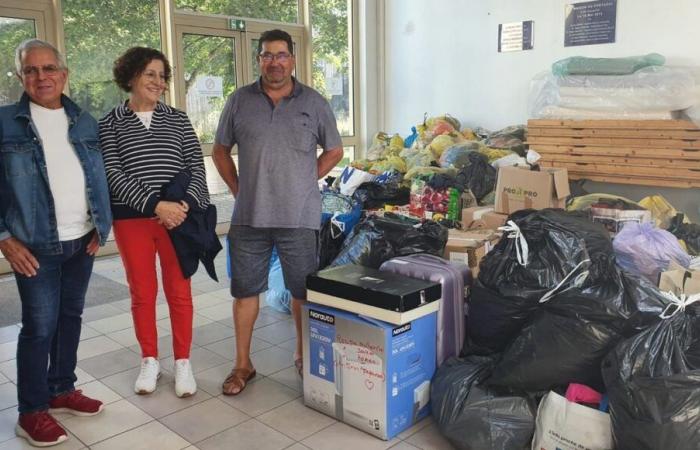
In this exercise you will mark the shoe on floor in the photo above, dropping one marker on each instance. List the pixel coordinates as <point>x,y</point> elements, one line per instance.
<point>185,384</point>
<point>75,403</point>
<point>148,377</point>
<point>40,429</point>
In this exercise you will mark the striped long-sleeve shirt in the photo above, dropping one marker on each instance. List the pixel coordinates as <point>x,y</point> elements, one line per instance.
<point>139,161</point>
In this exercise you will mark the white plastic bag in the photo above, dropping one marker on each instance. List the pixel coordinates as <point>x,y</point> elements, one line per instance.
<point>564,425</point>
<point>351,179</point>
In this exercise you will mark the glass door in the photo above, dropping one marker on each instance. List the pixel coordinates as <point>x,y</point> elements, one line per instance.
<point>15,27</point>
<point>207,71</point>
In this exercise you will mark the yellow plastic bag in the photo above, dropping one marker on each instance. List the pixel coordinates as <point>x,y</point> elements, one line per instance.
<point>661,210</point>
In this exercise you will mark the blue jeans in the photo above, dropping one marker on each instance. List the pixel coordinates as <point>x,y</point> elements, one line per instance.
<point>52,305</point>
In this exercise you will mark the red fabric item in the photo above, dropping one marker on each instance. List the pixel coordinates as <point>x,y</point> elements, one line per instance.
<point>139,240</point>
<point>580,393</point>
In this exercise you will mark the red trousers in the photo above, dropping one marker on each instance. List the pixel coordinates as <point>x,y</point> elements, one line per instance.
<point>139,240</point>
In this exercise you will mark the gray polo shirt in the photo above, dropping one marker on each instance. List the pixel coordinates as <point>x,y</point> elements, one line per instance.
<point>277,172</point>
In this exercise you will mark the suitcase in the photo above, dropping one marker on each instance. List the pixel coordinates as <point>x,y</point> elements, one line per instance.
<point>454,278</point>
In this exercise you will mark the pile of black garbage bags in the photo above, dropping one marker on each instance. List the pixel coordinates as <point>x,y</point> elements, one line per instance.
<point>549,308</point>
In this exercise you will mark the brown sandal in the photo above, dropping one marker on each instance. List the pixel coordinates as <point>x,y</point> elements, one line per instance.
<point>237,379</point>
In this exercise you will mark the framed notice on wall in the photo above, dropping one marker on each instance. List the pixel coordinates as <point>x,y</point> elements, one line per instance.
<point>589,23</point>
<point>516,36</point>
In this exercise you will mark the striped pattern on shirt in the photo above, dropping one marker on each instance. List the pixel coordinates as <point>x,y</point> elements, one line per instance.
<point>139,161</point>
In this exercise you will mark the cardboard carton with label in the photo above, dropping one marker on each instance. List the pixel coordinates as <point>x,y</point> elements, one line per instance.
<point>518,189</point>
<point>370,374</point>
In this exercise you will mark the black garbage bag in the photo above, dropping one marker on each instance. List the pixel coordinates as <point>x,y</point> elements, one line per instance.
<point>570,334</point>
<point>687,232</point>
<point>376,195</point>
<point>508,289</point>
<point>378,239</point>
<point>331,239</point>
<point>473,417</point>
<point>478,176</point>
<point>653,382</point>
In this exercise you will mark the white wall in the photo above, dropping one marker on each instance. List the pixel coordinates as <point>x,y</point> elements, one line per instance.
<point>442,56</point>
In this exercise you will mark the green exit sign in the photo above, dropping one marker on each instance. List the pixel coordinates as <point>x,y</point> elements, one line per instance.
<point>237,24</point>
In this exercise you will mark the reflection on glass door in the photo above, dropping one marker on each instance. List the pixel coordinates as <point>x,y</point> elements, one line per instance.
<point>209,78</point>
<point>12,32</point>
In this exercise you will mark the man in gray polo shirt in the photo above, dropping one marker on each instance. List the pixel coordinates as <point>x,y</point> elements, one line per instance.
<point>277,123</point>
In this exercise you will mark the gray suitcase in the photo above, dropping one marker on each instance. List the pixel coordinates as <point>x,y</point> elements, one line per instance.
<point>455,278</point>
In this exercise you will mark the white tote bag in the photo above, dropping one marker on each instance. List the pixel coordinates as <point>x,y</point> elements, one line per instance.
<point>564,425</point>
<point>351,179</point>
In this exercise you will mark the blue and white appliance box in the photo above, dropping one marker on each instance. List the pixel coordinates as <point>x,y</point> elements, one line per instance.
<point>370,374</point>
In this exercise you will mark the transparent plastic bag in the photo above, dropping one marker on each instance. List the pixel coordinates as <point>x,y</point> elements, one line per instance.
<point>644,250</point>
<point>652,90</point>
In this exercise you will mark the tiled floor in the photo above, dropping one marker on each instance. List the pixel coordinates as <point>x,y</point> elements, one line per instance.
<point>269,414</point>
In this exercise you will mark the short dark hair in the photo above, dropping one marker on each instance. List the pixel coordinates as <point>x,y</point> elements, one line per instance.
<point>133,62</point>
<point>276,35</point>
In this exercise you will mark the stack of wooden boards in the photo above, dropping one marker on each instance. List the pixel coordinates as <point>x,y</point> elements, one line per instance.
<point>642,152</point>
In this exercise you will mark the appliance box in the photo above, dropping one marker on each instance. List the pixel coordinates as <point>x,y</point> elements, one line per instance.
<point>369,374</point>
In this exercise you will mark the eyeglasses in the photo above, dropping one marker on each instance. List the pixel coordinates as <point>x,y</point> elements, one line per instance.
<point>154,76</point>
<point>281,57</point>
<point>33,71</point>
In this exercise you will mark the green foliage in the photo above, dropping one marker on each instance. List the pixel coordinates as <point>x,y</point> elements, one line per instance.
<point>12,33</point>
<point>277,10</point>
<point>95,37</point>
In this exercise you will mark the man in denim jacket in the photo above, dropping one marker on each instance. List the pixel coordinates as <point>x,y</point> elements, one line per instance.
<point>54,214</point>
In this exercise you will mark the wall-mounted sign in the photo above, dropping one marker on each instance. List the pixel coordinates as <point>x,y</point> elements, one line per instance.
<point>589,23</point>
<point>210,86</point>
<point>236,24</point>
<point>516,36</point>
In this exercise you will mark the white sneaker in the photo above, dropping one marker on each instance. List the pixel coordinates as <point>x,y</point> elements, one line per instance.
<point>148,377</point>
<point>185,385</point>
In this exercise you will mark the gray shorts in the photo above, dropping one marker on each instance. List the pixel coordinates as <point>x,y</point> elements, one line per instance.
<point>251,248</point>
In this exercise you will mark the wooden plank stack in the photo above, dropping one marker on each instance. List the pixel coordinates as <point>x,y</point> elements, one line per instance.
<point>642,152</point>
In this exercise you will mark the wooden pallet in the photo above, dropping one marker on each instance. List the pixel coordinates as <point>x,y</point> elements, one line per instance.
<point>621,178</point>
<point>625,124</point>
<point>642,152</point>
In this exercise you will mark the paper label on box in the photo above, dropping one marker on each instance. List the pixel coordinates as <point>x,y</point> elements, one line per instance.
<point>459,257</point>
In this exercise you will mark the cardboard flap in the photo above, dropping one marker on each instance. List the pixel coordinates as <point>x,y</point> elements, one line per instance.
<point>680,282</point>
<point>561,183</point>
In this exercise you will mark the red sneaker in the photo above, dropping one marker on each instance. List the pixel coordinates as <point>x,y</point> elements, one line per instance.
<point>40,429</point>
<point>75,403</point>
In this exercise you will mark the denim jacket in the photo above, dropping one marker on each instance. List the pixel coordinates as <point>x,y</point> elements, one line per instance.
<point>27,210</point>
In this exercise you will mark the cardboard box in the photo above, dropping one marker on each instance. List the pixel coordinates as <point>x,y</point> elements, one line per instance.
<point>369,374</point>
<point>492,220</point>
<point>472,217</point>
<point>518,189</point>
<point>469,247</point>
<point>680,282</point>
<point>615,219</point>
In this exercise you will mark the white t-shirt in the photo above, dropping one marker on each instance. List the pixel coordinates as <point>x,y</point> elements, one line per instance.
<point>145,117</point>
<point>66,177</point>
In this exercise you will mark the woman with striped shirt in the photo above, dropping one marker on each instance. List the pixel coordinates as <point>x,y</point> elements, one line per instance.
<point>145,143</point>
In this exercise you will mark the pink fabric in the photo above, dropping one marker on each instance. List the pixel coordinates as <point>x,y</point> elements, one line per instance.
<point>579,393</point>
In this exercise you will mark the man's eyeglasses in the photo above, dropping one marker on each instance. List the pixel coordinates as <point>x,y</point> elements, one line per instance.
<point>33,71</point>
<point>281,57</point>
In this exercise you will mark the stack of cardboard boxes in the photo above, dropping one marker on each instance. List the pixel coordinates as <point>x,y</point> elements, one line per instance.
<point>516,189</point>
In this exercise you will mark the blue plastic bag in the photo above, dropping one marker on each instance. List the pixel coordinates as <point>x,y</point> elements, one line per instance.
<point>277,296</point>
